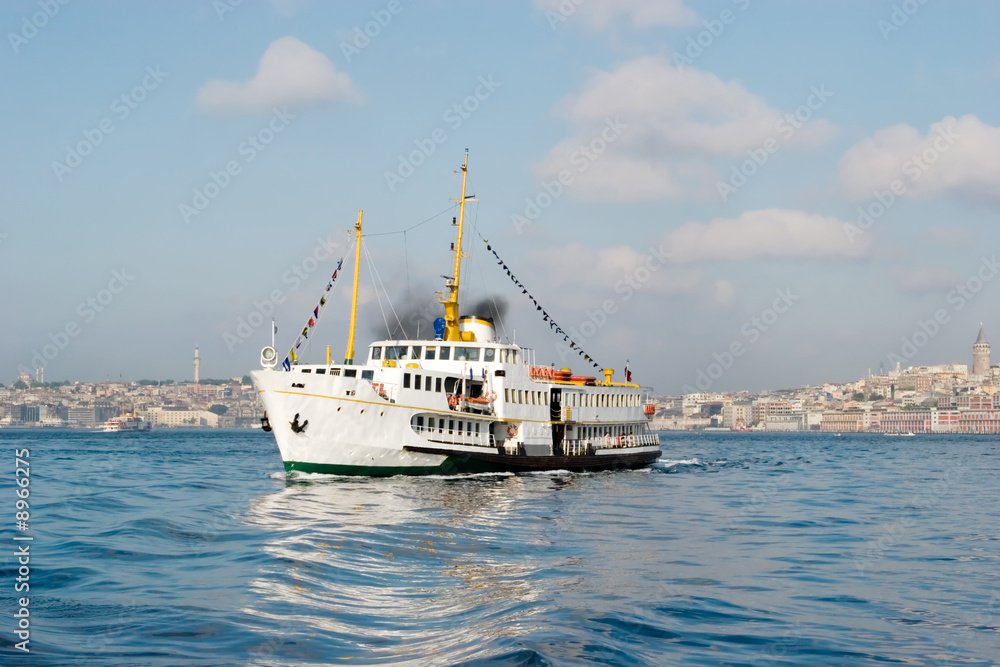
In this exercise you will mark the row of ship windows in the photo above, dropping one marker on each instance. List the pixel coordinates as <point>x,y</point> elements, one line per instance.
<point>573,399</point>
<point>348,372</point>
<point>442,352</point>
<point>463,426</point>
<point>526,397</point>
<point>581,400</point>
<point>424,382</point>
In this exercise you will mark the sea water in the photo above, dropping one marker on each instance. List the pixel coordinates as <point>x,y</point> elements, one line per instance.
<point>195,548</point>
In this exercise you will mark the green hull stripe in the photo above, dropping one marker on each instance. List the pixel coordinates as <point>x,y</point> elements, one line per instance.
<point>450,466</point>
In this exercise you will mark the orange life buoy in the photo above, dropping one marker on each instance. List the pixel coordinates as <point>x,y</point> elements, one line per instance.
<point>452,400</point>
<point>493,396</point>
<point>621,440</point>
<point>512,431</point>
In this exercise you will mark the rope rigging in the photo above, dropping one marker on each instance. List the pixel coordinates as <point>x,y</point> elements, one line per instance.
<point>545,316</point>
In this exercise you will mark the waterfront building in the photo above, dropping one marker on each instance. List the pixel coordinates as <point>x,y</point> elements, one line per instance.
<point>761,409</point>
<point>736,415</point>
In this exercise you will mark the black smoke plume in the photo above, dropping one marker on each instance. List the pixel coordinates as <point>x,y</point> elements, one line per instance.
<point>416,317</point>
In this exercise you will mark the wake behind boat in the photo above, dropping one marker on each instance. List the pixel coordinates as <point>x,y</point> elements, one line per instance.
<point>461,402</point>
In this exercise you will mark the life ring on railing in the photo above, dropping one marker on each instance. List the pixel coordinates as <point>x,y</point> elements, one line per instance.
<point>493,396</point>
<point>452,400</point>
<point>621,440</point>
<point>512,431</point>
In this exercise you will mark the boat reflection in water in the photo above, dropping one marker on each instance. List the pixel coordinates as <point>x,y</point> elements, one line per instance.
<point>423,567</point>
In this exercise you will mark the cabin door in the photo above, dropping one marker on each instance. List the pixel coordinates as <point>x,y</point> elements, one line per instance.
<point>558,427</point>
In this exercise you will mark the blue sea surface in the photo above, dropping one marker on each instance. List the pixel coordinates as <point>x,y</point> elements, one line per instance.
<point>195,548</point>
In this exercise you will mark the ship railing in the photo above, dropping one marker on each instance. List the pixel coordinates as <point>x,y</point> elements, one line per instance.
<point>474,439</point>
<point>577,447</point>
<point>626,441</point>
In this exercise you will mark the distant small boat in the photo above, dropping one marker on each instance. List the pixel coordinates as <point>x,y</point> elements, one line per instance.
<point>126,423</point>
<point>739,427</point>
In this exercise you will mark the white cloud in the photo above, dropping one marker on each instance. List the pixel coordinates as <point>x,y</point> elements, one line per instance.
<point>676,122</point>
<point>290,73</point>
<point>600,13</point>
<point>956,157</point>
<point>931,279</point>
<point>585,274</point>
<point>766,233</point>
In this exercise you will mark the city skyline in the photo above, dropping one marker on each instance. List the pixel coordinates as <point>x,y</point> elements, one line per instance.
<point>823,215</point>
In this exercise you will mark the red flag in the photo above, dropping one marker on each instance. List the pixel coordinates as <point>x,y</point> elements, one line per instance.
<point>628,373</point>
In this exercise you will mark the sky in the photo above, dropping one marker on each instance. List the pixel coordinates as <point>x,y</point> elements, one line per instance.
<point>729,194</point>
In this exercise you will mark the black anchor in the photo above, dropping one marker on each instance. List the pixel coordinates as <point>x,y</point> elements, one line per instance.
<point>296,426</point>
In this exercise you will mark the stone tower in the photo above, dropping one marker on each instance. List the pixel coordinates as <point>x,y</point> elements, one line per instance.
<point>197,362</point>
<point>980,355</point>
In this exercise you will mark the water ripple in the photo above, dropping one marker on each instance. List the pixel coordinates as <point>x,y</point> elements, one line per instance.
<point>195,548</point>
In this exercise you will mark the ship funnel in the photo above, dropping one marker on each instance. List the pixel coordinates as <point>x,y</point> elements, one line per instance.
<point>483,330</point>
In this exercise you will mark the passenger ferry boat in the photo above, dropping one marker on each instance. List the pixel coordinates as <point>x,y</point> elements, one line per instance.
<point>125,423</point>
<point>460,402</point>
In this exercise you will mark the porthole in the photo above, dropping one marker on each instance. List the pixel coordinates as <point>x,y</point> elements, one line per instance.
<point>362,411</point>
<point>381,414</point>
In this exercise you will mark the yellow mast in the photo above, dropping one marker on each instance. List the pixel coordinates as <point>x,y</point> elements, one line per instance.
<point>349,357</point>
<point>450,302</point>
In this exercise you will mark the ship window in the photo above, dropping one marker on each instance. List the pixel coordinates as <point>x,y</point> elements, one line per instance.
<point>307,370</point>
<point>350,373</point>
<point>427,383</point>
<point>395,352</point>
<point>320,371</point>
<point>513,356</point>
<point>376,353</point>
<point>406,380</point>
<point>477,428</point>
<point>468,428</point>
<point>445,353</point>
<point>417,382</point>
<point>451,426</point>
<point>437,384</point>
<point>440,426</point>
<point>460,427</point>
<point>489,354</point>
<point>506,395</point>
<point>520,396</point>
<point>420,422</point>
<point>415,354</point>
<point>466,354</point>
<point>367,375</point>
<point>334,371</point>
<point>429,353</point>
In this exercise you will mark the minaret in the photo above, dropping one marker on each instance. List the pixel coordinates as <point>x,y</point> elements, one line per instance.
<point>197,364</point>
<point>980,355</point>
